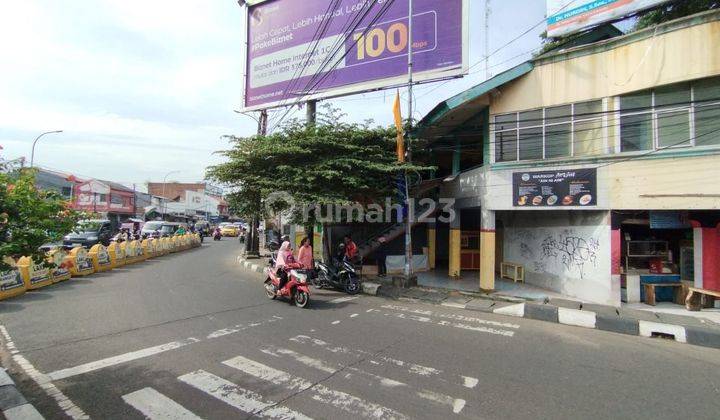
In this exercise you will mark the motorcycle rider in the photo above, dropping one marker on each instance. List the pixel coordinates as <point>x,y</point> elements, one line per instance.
<point>284,257</point>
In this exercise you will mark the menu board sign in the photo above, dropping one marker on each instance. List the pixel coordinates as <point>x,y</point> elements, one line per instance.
<point>562,188</point>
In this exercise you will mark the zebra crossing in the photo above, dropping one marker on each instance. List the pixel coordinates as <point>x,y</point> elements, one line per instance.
<point>275,382</point>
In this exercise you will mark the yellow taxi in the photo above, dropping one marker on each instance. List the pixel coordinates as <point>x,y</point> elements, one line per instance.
<point>229,230</point>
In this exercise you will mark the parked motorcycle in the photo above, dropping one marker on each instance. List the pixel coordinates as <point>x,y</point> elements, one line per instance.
<point>296,288</point>
<point>340,275</point>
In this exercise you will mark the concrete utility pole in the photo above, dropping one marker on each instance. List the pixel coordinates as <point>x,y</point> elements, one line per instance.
<point>32,153</point>
<point>408,145</point>
<point>252,243</point>
<point>163,191</point>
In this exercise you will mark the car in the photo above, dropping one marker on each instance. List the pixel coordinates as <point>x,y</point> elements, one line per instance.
<point>229,230</point>
<point>152,229</point>
<point>88,233</point>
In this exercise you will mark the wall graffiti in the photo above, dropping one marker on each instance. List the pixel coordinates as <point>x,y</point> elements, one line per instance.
<point>573,252</point>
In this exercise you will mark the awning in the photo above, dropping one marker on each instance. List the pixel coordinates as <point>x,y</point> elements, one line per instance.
<point>450,114</point>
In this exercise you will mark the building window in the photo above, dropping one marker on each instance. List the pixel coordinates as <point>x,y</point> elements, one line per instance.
<point>549,133</point>
<point>679,115</point>
<point>66,192</point>
<point>103,198</point>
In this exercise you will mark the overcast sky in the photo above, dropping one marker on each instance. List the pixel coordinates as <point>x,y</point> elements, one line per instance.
<point>142,88</point>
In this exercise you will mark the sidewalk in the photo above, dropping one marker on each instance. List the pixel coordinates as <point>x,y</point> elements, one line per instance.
<point>538,305</point>
<point>12,403</point>
<point>699,329</point>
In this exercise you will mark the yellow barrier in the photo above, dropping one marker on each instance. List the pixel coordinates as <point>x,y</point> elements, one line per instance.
<point>100,258</point>
<point>133,252</point>
<point>172,240</point>
<point>117,254</point>
<point>148,246</point>
<point>81,263</point>
<point>61,269</point>
<point>34,275</point>
<point>11,282</point>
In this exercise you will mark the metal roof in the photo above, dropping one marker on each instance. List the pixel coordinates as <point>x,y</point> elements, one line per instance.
<point>460,108</point>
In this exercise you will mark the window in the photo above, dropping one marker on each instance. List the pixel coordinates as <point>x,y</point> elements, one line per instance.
<point>679,115</point>
<point>103,198</point>
<point>707,112</point>
<point>555,132</point>
<point>66,192</point>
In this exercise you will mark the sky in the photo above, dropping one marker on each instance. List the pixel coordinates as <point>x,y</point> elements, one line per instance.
<point>143,88</point>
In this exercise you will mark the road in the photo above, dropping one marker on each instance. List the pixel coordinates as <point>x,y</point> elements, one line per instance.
<point>191,335</point>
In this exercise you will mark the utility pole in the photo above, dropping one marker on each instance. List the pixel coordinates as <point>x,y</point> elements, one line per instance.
<point>408,144</point>
<point>252,244</point>
<point>487,39</point>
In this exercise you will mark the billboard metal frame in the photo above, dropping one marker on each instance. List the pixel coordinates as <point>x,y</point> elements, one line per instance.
<point>362,87</point>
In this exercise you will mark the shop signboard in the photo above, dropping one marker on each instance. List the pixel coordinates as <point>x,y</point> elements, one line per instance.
<point>569,16</point>
<point>301,50</point>
<point>669,220</point>
<point>561,188</point>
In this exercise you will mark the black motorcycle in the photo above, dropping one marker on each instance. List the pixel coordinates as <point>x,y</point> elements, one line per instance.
<point>340,275</point>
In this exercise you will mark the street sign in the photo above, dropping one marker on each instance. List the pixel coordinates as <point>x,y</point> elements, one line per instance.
<point>302,50</point>
<point>569,16</point>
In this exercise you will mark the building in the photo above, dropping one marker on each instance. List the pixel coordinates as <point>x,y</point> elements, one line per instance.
<point>593,167</point>
<point>191,200</point>
<point>111,200</point>
<point>59,182</point>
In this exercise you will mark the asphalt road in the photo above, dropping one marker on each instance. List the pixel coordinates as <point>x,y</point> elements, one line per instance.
<point>191,335</point>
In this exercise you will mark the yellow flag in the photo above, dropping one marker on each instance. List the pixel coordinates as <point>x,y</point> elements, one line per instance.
<point>399,126</point>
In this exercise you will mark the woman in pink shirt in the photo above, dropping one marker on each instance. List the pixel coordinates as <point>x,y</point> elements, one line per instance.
<point>305,254</point>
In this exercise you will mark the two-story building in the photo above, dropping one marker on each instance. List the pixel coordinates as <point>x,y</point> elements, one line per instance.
<point>594,167</point>
<point>111,200</point>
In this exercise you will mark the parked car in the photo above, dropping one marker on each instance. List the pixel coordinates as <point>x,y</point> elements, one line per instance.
<point>88,233</point>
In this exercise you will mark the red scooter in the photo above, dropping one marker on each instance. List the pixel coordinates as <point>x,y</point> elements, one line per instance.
<point>296,288</point>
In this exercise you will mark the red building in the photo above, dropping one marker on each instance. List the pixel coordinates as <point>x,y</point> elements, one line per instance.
<point>104,198</point>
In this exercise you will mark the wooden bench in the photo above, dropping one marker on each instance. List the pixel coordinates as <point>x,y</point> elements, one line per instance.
<point>512,271</point>
<point>650,297</point>
<point>693,301</point>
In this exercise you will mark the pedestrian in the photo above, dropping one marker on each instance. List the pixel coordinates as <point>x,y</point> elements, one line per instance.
<point>305,254</point>
<point>381,256</point>
<point>351,249</point>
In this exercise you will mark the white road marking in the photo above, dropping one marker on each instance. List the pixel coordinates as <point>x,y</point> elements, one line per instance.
<point>307,361</point>
<point>425,319</point>
<point>576,317</point>
<point>23,412</point>
<point>335,322</point>
<point>346,402</point>
<point>72,410</point>
<point>343,299</point>
<point>354,315</point>
<point>470,382</point>
<point>240,398</point>
<point>8,340</point>
<point>119,359</point>
<point>156,406</point>
<point>451,316</point>
<point>455,403</point>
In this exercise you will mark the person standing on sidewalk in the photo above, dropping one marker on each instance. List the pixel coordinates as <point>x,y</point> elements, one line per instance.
<point>305,254</point>
<point>381,256</point>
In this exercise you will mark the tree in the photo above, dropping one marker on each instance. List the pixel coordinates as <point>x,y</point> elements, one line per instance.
<point>674,10</point>
<point>30,217</point>
<point>330,162</point>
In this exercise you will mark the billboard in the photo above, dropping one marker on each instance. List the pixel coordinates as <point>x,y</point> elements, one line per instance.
<point>568,16</point>
<point>311,49</point>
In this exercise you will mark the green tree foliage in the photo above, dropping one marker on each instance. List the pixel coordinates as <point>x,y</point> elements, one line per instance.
<point>30,217</point>
<point>675,10</point>
<point>329,162</point>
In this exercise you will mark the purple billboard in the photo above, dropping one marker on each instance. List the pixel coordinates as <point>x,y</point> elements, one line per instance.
<point>310,49</point>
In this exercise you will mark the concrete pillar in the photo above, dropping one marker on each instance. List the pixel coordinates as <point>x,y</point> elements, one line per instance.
<point>707,257</point>
<point>487,250</point>
<point>454,247</point>
<point>431,238</point>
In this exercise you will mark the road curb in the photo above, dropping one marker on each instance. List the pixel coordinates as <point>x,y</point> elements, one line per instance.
<point>249,265</point>
<point>12,403</point>
<point>580,315</point>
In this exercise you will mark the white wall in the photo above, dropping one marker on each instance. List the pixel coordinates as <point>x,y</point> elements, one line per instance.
<point>564,251</point>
